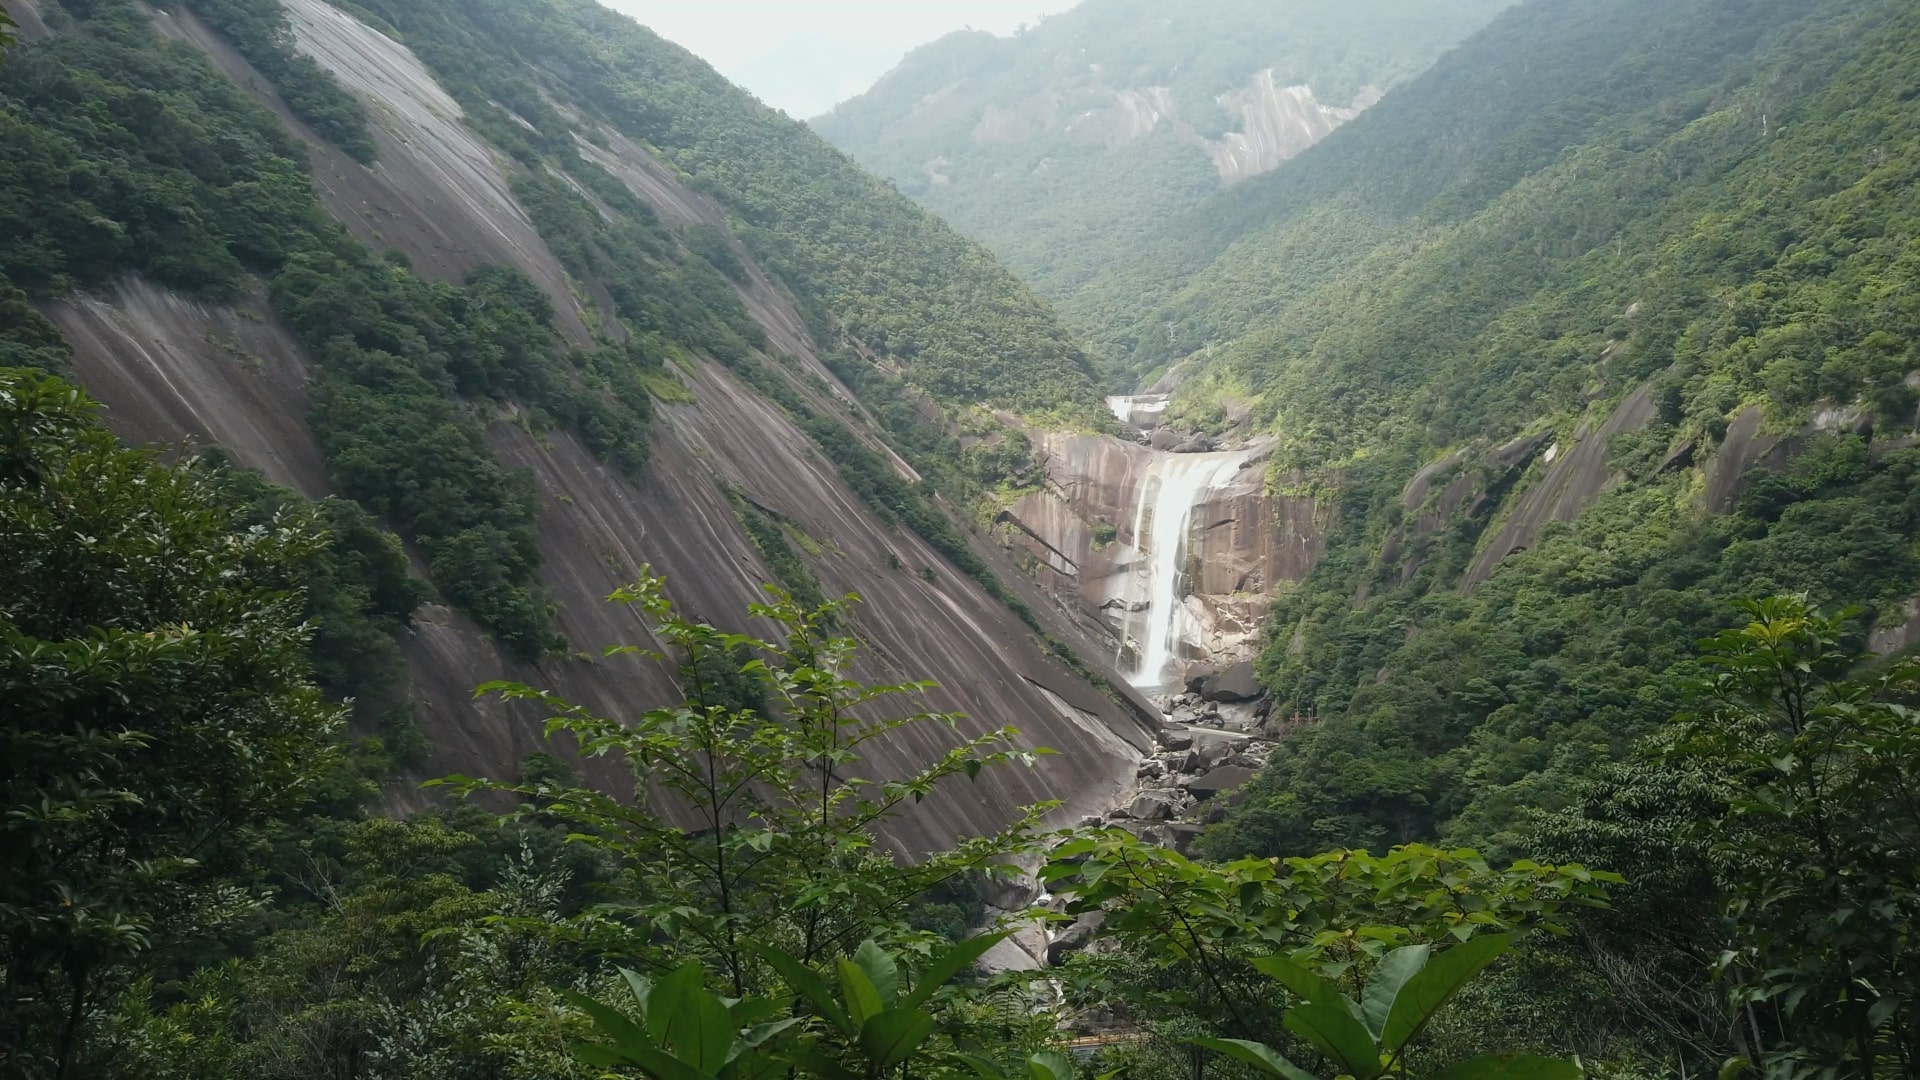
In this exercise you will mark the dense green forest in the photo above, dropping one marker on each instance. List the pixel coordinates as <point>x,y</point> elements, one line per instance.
<point>1744,238</point>
<point>1027,142</point>
<point>1576,810</point>
<point>198,889</point>
<point>861,257</point>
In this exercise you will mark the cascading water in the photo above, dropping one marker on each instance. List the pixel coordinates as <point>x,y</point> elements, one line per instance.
<point>1174,484</point>
<point>1140,411</point>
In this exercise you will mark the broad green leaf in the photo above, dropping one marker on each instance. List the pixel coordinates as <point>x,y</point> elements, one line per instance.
<point>1433,984</point>
<point>1305,984</point>
<point>669,995</point>
<point>1050,1065</point>
<point>611,1021</point>
<point>948,964</point>
<point>651,1060</point>
<point>881,969</point>
<point>1338,1034</point>
<point>1513,1067</point>
<point>1389,975</point>
<point>1258,1055</point>
<point>762,1033</point>
<point>982,1065</point>
<point>891,1037</point>
<point>748,1012</point>
<point>863,999</point>
<point>814,1062</point>
<point>1734,1067</point>
<point>642,988</point>
<point>755,1065</point>
<point>807,982</point>
<point>702,1032</point>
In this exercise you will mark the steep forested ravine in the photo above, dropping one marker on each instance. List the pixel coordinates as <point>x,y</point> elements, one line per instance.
<point>1480,642</point>
<point>543,360</point>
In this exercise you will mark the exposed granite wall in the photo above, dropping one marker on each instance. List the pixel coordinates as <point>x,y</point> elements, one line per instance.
<point>170,369</point>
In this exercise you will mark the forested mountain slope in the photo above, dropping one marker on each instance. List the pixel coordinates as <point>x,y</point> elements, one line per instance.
<point>550,300</point>
<point>432,322</point>
<point>1066,146</point>
<point>1608,316</point>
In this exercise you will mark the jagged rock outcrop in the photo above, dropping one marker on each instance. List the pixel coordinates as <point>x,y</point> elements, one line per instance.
<point>1897,633</point>
<point>1233,685</point>
<point>1575,477</point>
<point>169,369</point>
<point>1273,122</point>
<point>1276,124</point>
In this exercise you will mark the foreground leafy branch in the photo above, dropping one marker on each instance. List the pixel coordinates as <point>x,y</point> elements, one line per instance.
<point>751,823</point>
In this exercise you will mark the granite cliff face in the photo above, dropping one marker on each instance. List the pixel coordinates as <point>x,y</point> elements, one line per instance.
<point>172,371</point>
<point>1171,557</point>
<point>1267,122</point>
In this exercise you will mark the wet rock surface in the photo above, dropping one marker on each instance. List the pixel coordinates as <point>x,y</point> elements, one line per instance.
<point>1205,752</point>
<point>1087,538</point>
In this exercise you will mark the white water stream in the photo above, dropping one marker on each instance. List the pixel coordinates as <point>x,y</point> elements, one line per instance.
<point>1162,526</point>
<point>1142,410</point>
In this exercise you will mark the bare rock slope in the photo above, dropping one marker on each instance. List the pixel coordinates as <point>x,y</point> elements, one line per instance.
<point>171,370</point>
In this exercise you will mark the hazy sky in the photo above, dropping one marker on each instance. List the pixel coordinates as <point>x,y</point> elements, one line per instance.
<point>804,57</point>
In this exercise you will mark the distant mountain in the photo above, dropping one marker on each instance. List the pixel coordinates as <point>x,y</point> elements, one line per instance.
<point>1059,146</point>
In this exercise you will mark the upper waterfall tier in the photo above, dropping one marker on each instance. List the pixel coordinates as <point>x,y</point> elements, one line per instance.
<point>1138,410</point>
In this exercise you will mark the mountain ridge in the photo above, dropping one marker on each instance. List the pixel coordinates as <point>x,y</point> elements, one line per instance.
<point>1066,147</point>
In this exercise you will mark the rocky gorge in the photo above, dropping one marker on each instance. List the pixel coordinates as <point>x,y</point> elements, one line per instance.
<point>1166,545</point>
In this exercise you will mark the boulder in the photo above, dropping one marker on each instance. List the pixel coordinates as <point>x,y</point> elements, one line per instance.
<point>1152,806</point>
<point>1075,937</point>
<point>1226,778</point>
<point>1214,749</point>
<point>1151,769</point>
<point>1013,892</point>
<point>1238,717</point>
<point>1180,835</point>
<point>1235,684</point>
<point>1175,738</point>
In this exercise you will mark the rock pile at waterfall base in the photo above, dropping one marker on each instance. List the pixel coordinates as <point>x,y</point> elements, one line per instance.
<point>1214,740</point>
<point>1211,745</point>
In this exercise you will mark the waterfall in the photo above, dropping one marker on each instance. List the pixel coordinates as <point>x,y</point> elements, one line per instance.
<point>1138,410</point>
<point>1173,485</point>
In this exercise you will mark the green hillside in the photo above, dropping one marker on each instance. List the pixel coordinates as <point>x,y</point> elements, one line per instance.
<point>895,278</point>
<point>1591,351</point>
<point>127,154</point>
<point>1722,212</point>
